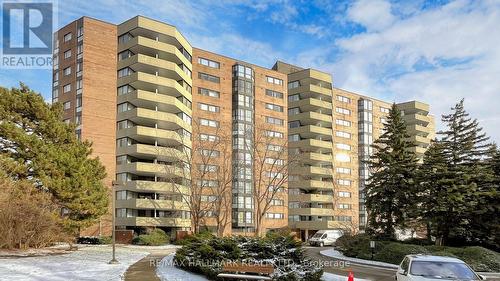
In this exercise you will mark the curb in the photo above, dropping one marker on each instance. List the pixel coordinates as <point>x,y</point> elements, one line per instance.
<point>361,261</point>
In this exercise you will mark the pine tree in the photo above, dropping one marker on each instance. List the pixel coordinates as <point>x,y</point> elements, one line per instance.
<point>391,184</point>
<point>464,147</point>
<point>46,152</point>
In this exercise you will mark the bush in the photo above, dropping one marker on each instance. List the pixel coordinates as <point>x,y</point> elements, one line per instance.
<point>479,258</point>
<point>204,254</point>
<point>157,237</point>
<point>94,240</point>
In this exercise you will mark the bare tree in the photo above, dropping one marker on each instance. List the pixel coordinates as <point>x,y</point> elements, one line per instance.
<point>271,168</point>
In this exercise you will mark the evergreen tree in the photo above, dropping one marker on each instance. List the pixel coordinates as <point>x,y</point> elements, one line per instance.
<point>391,184</point>
<point>467,179</point>
<point>46,152</point>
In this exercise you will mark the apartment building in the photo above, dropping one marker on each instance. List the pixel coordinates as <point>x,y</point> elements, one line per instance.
<point>257,146</point>
<point>84,82</point>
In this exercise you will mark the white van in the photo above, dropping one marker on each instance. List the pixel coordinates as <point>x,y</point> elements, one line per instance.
<point>325,237</point>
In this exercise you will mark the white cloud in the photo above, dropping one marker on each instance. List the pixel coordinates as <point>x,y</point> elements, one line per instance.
<point>439,56</point>
<point>372,14</point>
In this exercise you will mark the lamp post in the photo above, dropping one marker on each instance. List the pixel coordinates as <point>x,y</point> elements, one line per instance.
<point>113,191</point>
<point>372,246</point>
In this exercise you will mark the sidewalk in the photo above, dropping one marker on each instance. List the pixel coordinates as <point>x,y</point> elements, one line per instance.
<point>145,269</point>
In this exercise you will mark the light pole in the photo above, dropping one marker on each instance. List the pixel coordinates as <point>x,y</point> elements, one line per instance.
<point>113,191</point>
<point>372,246</point>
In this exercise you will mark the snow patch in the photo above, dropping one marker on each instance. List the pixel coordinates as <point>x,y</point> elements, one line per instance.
<point>166,271</point>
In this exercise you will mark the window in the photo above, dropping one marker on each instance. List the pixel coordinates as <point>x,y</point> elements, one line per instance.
<point>67,105</point>
<point>345,206</point>
<point>344,194</point>
<point>125,89</point>
<point>78,101</point>
<point>186,118</point>
<point>274,107</point>
<point>243,71</point>
<point>344,182</point>
<point>208,183</point>
<point>274,80</point>
<point>207,92</point>
<point>122,107</point>
<point>124,124</point>
<point>343,218</point>
<point>79,49</point>
<point>294,124</point>
<point>274,94</point>
<point>79,32</point>
<point>384,109</point>
<point>293,111</point>
<point>125,72</point>
<point>343,99</point>
<point>67,37</point>
<point>208,198</point>
<point>343,146</point>
<point>55,93</point>
<point>207,137</point>
<point>78,119</point>
<point>275,216</point>
<point>343,110</point>
<point>208,168</point>
<point>293,85</point>
<point>274,134</point>
<point>341,170</point>
<point>343,134</point>
<point>342,157</point>
<point>124,38</point>
<point>209,153</point>
<point>67,54</point>
<point>66,88</point>
<point>273,161</point>
<point>273,147</point>
<point>294,137</point>
<point>277,202</point>
<point>294,98</point>
<point>208,107</point>
<point>124,142</point>
<point>343,122</point>
<point>209,63</point>
<point>67,71</point>
<point>124,55</point>
<point>274,121</point>
<point>209,123</point>
<point>208,77</point>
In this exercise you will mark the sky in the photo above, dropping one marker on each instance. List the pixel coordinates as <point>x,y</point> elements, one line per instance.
<point>436,51</point>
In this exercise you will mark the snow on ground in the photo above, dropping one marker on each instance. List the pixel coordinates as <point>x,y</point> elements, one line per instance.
<point>336,254</point>
<point>166,271</point>
<point>88,263</point>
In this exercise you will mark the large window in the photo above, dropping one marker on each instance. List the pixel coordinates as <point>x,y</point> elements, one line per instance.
<point>274,94</point>
<point>293,85</point>
<point>209,63</point>
<point>274,121</point>
<point>343,110</point>
<point>343,99</point>
<point>67,105</point>
<point>343,134</point>
<point>274,134</point>
<point>68,36</point>
<point>208,77</point>
<point>67,88</point>
<point>274,107</point>
<point>208,107</point>
<point>274,80</point>
<point>67,54</point>
<point>208,92</point>
<point>209,123</point>
<point>67,71</point>
<point>343,146</point>
<point>343,122</point>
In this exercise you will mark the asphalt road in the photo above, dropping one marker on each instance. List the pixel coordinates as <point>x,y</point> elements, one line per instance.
<point>360,271</point>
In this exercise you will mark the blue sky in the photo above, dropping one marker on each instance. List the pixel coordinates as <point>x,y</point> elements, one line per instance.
<point>434,51</point>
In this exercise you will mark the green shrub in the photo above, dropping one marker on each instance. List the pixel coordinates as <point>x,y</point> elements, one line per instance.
<point>204,253</point>
<point>105,240</point>
<point>157,237</point>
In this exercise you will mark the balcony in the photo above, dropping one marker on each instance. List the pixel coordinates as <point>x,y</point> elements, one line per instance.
<point>311,131</point>
<point>311,211</point>
<point>152,169</point>
<point>316,225</point>
<point>314,91</point>
<point>150,221</point>
<point>312,118</point>
<point>169,52</point>
<point>313,171</point>
<point>315,158</point>
<point>311,198</point>
<point>151,64</point>
<point>151,83</point>
<point>312,145</point>
<point>145,151</point>
<point>151,100</point>
<point>312,104</point>
<point>150,135</point>
<point>151,186</point>
<point>416,118</point>
<point>150,118</point>
<point>152,204</point>
<point>311,185</point>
